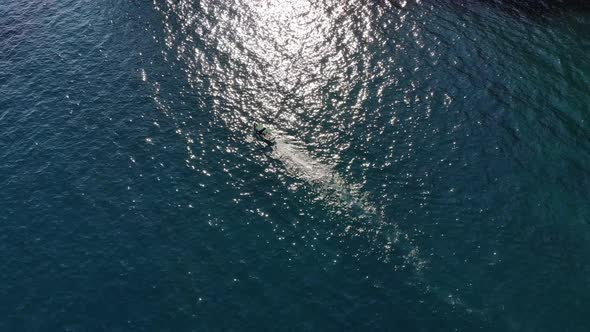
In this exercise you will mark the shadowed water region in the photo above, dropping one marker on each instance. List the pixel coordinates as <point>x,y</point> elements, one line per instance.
<point>431,170</point>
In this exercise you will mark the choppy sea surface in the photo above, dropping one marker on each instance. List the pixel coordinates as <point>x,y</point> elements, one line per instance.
<point>431,170</point>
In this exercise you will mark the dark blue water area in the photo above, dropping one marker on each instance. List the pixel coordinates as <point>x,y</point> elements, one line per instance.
<point>431,171</point>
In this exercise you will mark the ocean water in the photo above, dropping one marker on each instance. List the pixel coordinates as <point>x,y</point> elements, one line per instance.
<point>431,170</point>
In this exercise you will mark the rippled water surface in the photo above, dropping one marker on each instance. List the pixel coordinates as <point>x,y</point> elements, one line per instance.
<point>431,170</point>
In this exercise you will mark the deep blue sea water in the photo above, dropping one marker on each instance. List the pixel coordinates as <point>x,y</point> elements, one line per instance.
<point>431,170</point>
